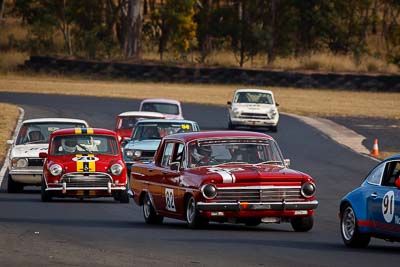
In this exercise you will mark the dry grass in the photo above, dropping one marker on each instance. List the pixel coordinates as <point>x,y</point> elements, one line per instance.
<point>8,118</point>
<point>317,62</point>
<point>9,61</point>
<point>300,101</point>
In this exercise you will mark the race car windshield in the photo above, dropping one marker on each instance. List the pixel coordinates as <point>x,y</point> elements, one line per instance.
<point>127,122</point>
<point>84,144</point>
<point>156,131</point>
<point>222,152</point>
<point>165,108</point>
<point>32,133</point>
<point>253,97</point>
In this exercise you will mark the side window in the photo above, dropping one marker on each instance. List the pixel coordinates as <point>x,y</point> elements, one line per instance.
<point>166,158</point>
<point>375,176</point>
<point>392,171</point>
<point>179,154</point>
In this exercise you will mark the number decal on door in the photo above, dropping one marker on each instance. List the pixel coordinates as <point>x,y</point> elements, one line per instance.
<point>169,199</point>
<point>388,206</point>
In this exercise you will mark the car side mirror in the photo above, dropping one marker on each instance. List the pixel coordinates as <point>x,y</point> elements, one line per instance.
<point>10,142</point>
<point>42,155</point>
<point>229,103</point>
<point>286,162</point>
<point>397,182</point>
<point>277,104</point>
<point>175,166</point>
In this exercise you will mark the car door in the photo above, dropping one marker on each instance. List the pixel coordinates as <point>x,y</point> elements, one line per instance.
<point>385,200</point>
<point>171,177</point>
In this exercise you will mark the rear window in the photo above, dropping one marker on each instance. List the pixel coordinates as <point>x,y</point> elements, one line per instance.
<point>166,108</point>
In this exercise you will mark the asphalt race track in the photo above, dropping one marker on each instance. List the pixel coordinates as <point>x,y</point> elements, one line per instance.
<point>102,232</point>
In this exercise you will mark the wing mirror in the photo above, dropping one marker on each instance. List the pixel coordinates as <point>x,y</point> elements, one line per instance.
<point>10,142</point>
<point>42,155</point>
<point>175,166</point>
<point>229,103</point>
<point>277,104</point>
<point>286,162</point>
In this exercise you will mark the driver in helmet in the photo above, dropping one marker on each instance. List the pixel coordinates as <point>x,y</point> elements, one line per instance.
<point>34,134</point>
<point>69,145</point>
<point>201,155</point>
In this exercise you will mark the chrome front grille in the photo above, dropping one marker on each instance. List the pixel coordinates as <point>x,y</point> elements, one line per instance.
<point>260,194</point>
<point>86,179</point>
<point>247,115</point>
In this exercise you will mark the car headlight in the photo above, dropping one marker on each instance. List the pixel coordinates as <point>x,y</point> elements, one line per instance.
<point>236,111</point>
<point>307,189</point>
<point>133,153</point>
<point>116,169</point>
<point>55,170</point>
<point>19,162</point>
<point>209,191</point>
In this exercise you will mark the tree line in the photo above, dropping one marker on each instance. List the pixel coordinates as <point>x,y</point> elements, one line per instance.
<point>272,28</point>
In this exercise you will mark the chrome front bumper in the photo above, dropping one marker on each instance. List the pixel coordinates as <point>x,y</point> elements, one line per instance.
<point>254,122</point>
<point>238,206</point>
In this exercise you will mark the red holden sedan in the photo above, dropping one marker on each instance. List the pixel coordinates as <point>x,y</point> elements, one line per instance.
<point>223,176</point>
<point>84,163</point>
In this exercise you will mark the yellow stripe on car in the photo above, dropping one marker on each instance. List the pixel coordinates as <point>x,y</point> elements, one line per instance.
<point>78,130</point>
<point>79,164</point>
<point>92,164</point>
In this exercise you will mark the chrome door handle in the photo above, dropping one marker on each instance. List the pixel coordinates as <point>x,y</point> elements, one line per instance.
<point>374,195</point>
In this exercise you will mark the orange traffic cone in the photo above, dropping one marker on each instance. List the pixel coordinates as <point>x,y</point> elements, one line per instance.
<point>375,149</point>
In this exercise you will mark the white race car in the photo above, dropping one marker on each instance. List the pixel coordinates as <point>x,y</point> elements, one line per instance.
<point>253,108</point>
<point>25,167</point>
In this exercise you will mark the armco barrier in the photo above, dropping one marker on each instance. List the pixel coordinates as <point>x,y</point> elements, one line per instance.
<point>142,72</point>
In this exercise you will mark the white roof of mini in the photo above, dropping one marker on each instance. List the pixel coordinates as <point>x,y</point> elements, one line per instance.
<point>161,100</point>
<point>55,120</point>
<point>141,113</point>
<point>253,90</point>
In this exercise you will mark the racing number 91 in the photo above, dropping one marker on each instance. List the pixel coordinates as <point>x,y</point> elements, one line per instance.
<point>388,206</point>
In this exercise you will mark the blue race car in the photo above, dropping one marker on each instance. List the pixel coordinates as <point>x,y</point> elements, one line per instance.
<point>373,209</point>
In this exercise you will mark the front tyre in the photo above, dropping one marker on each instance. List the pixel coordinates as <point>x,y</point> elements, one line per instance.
<point>348,227</point>
<point>149,213</point>
<point>45,195</point>
<point>302,224</point>
<point>230,125</point>
<point>12,186</point>
<point>193,218</point>
<point>274,129</point>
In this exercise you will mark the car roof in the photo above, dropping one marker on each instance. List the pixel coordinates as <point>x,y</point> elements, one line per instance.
<point>141,113</point>
<point>189,136</point>
<point>77,131</point>
<point>38,120</point>
<point>161,100</point>
<point>253,90</point>
<point>165,121</point>
<point>394,157</point>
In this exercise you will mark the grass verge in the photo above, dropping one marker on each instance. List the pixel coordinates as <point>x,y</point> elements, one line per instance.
<point>8,119</point>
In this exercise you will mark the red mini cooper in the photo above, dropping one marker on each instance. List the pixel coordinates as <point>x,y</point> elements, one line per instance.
<point>223,176</point>
<point>84,163</point>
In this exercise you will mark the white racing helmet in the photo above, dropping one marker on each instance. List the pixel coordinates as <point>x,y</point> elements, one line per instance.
<point>69,145</point>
